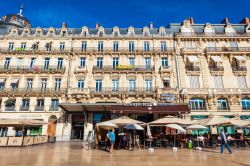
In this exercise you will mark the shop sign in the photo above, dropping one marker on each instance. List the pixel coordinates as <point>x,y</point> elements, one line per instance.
<point>30,116</point>
<point>125,67</point>
<point>168,97</point>
<point>140,104</point>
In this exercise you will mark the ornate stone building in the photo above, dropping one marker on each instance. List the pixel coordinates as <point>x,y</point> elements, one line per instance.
<point>99,73</point>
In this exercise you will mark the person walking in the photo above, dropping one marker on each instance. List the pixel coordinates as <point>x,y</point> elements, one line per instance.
<point>224,142</point>
<point>111,136</point>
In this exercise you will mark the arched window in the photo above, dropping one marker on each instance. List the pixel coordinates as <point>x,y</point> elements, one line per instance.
<point>222,104</point>
<point>197,104</point>
<point>245,103</point>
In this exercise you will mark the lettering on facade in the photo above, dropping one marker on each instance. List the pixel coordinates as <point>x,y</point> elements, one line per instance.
<point>168,97</point>
<point>31,116</point>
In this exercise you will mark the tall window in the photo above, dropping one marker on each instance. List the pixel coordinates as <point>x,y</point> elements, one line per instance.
<point>57,84</point>
<point>59,63</point>
<point>54,103</point>
<point>242,82</point>
<point>115,46</point>
<point>146,46</point>
<point>197,104</point>
<point>163,46</point>
<point>6,63</point>
<point>148,85</point>
<point>148,62</point>
<point>115,85</point>
<point>43,84</point>
<point>218,82</point>
<point>98,85</point>
<point>131,46</point>
<point>11,46</point>
<point>164,62</point>
<point>80,84</point>
<point>48,46</point>
<point>100,46</point>
<point>131,85</point>
<point>82,61</point>
<point>222,104</point>
<point>46,63</point>
<point>245,103</point>
<point>23,46</point>
<point>166,83</point>
<point>32,62</point>
<point>190,44</point>
<point>29,83</point>
<point>25,103</point>
<point>2,84</point>
<point>62,46</point>
<point>40,103</point>
<point>19,62</point>
<point>131,61</point>
<point>99,62</point>
<point>14,84</point>
<point>115,62</point>
<point>194,82</point>
<point>84,46</point>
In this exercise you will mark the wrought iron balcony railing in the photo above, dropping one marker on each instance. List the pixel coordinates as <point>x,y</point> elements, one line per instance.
<point>32,91</point>
<point>35,69</point>
<point>24,108</point>
<point>124,91</point>
<point>239,68</point>
<point>202,34</point>
<point>123,68</point>
<point>39,108</point>
<point>192,68</point>
<point>10,108</point>
<point>227,49</point>
<point>216,68</point>
<point>53,108</point>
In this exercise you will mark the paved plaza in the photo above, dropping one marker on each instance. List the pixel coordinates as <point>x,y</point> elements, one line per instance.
<point>71,154</point>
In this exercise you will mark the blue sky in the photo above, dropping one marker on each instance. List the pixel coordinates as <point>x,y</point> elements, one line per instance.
<point>123,13</point>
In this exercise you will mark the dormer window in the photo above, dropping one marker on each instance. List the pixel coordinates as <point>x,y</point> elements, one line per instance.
<point>26,31</point>
<point>146,34</point>
<point>162,33</point>
<point>116,34</point>
<point>14,31</point>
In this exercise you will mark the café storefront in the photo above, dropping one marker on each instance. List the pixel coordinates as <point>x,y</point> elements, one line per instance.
<point>90,114</point>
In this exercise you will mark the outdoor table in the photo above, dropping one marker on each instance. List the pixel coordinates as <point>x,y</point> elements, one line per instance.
<point>3,141</point>
<point>15,141</point>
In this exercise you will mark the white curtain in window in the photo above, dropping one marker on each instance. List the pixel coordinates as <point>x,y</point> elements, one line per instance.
<point>242,82</point>
<point>194,82</point>
<point>218,82</point>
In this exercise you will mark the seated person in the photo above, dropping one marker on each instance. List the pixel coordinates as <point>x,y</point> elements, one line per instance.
<point>201,138</point>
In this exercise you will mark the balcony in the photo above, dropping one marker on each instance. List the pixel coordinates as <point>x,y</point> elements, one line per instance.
<point>211,35</point>
<point>123,50</point>
<point>53,108</point>
<point>239,70</point>
<point>81,69</point>
<point>193,70</point>
<point>80,90</point>
<point>39,108</point>
<point>10,109</point>
<point>222,109</point>
<point>123,91</point>
<point>216,70</point>
<point>123,69</point>
<point>227,49</point>
<point>33,91</point>
<point>24,108</point>
<point>165,69</point>
<point>28,69</point>
<point>40,50</point>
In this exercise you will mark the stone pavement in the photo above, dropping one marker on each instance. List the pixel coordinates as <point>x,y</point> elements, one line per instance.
<point>71,154</point>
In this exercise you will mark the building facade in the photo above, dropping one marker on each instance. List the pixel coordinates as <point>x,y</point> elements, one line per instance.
<point>90,72</point>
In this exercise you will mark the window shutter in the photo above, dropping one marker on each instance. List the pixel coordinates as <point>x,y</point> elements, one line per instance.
<point>242,82</point>
<point>218,82</point>
<point>194,82</point>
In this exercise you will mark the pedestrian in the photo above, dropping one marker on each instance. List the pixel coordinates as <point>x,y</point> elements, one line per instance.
<point>111,136</point>
<point>224,142</point>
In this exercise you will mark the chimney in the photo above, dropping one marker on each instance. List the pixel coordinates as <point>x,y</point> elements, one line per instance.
<point>64,25</point>
<point>191,20</point>
<point>97,25</point>
<point>151,25</point>
<point>245,21</point>
<point>225,21</point>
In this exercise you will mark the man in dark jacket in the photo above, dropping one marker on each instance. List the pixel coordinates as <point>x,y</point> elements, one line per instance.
<point>224,142</point>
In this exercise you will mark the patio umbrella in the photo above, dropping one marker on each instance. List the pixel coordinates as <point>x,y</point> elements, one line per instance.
<point>107,125</point>
<point>171,120</point>
<point>177,127</point>
<point>215,120</point>
<point>149,134</point>
<point>196,127</point>
<point>240,123</point>
<point>124,120</point>
<point>133,127</point>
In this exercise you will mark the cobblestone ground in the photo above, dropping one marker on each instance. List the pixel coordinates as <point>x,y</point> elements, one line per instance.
<point>72,154</point>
